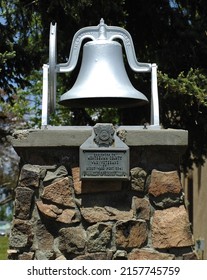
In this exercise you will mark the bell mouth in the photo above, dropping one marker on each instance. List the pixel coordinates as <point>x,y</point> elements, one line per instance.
<point>102,80</point>
<point>103,102</point>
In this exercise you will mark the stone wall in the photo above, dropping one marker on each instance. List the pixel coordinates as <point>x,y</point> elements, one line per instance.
<point>57,216</point>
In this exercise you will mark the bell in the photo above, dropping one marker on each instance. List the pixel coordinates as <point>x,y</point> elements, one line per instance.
<point>102,80</point>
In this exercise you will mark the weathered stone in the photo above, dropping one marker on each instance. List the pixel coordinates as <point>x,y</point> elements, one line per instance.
<point>190,256</point>
<point>138,177</point>
<point>49,210</point>
<point>69,216</point>
<point>58,173</point>
<point>61,258</point>
<point>76,180</point>
<point>60,193</point>
<point>26,256</point>
<point>30,176</point>
<point>45,255</point>
<point>21,234</point>
<point>165,189</point>
<point>44,239</point>
<point>12,254</point>
<point>99,237</point>
<point>91,186</point>
<point>120,255</point>
<point>102,214</point>
<point>146,254</point>
<point>23,203</point>
<point>171,228</point>
<point>131,234</point>
<point>163,183</point>
<point>141,208</point>
<point>94,256</point>
<point>72,240</point>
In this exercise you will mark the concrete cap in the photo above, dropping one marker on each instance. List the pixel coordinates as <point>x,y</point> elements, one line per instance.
<point>74,136</point>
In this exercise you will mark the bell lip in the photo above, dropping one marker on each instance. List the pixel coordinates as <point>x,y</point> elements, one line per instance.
<point>103,102</point>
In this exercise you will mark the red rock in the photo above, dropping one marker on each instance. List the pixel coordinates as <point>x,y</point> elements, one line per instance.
<point>171,228</point>
<point>164,182</point>
<point>131,234</point>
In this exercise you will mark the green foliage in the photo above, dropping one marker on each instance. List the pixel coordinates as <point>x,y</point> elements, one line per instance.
<point>3,247</point>
<point>3,214</point>
<point>183,103</point>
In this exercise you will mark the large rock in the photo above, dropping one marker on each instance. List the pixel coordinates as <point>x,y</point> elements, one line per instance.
<point>72,240</point>
<point>131,234</point>
<point>69,216</point>
<point>146,254</point>
<point>30,175</point>
<point>26,256</point>
<point>95,256</point>
<point>54,175</point>
<point>60,192</point>
<point>23,203</point>
<point>171,228</point>
<point>99,237</point>
<point>138,178</point>
<point>21,234</point>
<point>141,208</point>
<point>49,210</point>
<point>102,214</point>
<point>44,239</point>
<point>163,183</point>
<point>165,189</point>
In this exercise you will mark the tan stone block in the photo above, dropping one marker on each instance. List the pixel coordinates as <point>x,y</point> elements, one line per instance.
<point>190,256</point>
<point>101,214</point>
<point>171,228</point>
<point>94,256</point>
<point>72,240</point>
<point>164,182</point>
<point>144,254</point>
<point>30,176</point>
<point>61,258</point>
<point>138,178</point>
<point>68,216</point>
<point>141,208</point>
<point>131,234</point>
<point>99,237</point>
<point>26,256</point>
<point>76,180</point>
<point>44,240</point>
<point>23,202</point>
<point>21,234</point>
<point>49,210</point>
<point>60,192</point>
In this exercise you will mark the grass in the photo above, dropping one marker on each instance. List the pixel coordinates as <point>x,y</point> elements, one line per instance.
<point>3,247</point>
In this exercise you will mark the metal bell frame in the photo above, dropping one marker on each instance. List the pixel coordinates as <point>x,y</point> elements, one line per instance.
<point>101,31</point>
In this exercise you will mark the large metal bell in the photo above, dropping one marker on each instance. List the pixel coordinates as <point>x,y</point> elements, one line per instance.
<point>102,80</point>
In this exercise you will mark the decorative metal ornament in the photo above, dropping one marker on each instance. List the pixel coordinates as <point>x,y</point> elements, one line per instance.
<point>104,135</point>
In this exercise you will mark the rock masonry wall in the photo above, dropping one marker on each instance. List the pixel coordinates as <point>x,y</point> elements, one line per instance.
<point>59,217</point>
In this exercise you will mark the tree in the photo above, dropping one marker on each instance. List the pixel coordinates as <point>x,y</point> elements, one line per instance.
<point>171,33</point>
